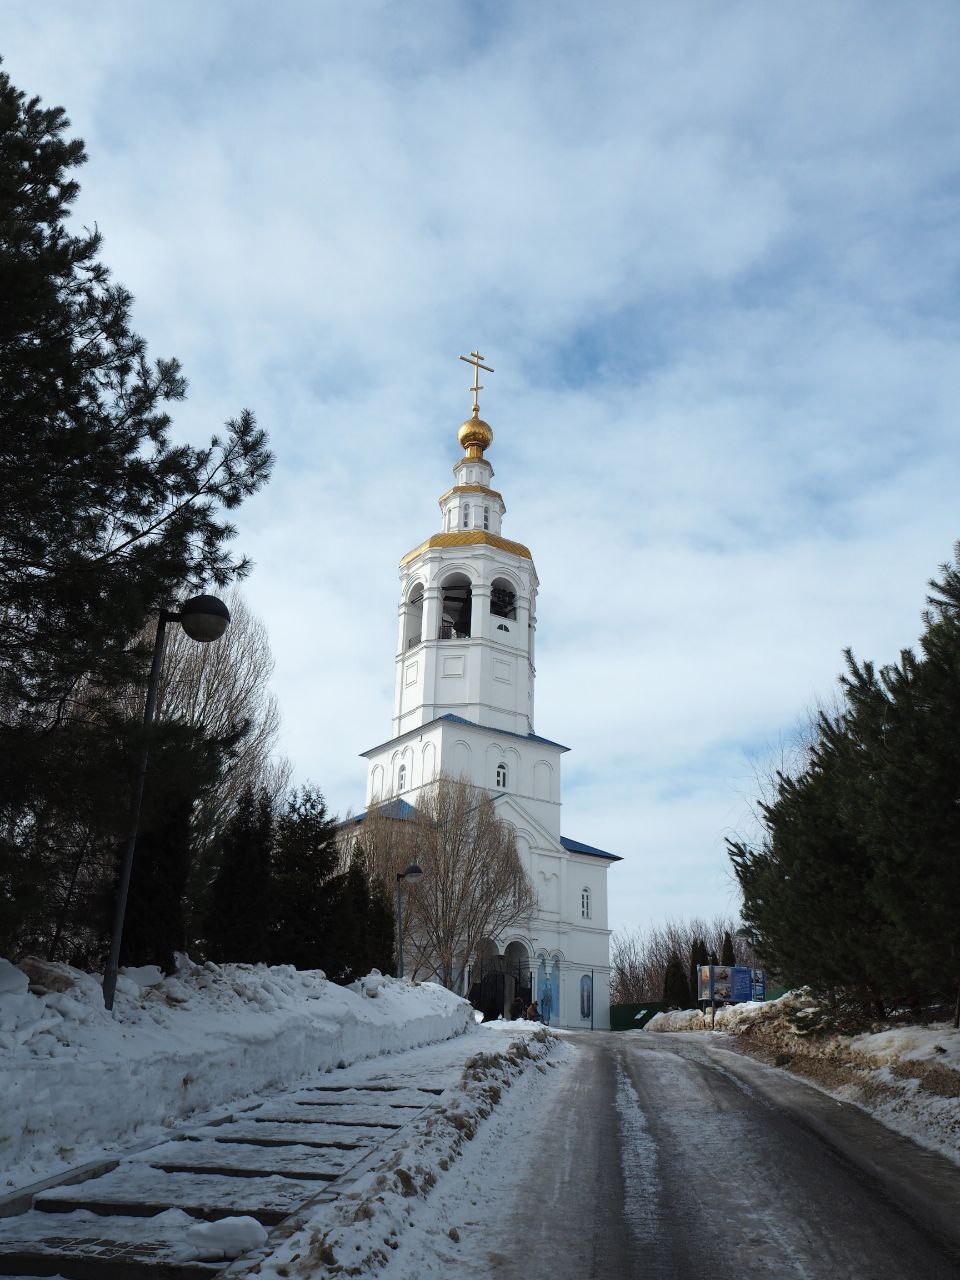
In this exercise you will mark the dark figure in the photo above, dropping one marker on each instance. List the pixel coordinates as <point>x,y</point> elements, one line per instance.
<point>516,1008</point>
<point>533,1013</point>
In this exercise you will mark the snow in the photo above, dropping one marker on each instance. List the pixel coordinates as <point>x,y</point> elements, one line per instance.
<point>390,1218</point>
<point>227,1238</point>
<point>907,1077</point>
<point>79,1083</point>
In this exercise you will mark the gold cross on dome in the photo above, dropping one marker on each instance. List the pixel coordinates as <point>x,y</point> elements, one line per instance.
<point>475,359</point>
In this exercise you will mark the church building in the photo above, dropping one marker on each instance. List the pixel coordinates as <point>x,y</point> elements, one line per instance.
<point>464,707</point>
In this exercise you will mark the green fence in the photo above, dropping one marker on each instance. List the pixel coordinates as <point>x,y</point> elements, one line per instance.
<point>631,1017</point>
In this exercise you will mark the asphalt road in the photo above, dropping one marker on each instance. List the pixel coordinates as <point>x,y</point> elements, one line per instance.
<point>667,1157</point>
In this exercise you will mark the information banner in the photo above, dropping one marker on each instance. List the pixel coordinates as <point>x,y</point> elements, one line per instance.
<point>729,984</point>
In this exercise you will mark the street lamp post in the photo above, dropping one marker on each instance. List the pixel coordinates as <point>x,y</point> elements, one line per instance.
<point>412,874</point>
<point>204,618</point>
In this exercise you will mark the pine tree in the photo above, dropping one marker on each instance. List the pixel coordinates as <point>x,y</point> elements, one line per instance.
<point>676,988</point>
<point>381,931</point>
<point>238,914</point>
<point>306,856</point>
<point>103,518</point>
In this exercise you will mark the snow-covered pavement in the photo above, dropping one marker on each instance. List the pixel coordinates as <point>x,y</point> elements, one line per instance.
<point>297,1151</point>
<point>79,1084</point>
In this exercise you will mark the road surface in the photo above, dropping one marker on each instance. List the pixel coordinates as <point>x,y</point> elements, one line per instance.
<point>668,1157</point>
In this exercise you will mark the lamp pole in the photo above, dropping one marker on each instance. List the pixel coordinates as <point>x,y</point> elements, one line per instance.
<point>204,618</point>
<point>413,873</point>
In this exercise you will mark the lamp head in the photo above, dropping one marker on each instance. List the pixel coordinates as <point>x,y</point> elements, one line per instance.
<point>413,873</point>
<point>204,618</point>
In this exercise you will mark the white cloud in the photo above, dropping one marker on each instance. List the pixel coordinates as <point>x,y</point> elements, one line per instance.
<point>711,254</point>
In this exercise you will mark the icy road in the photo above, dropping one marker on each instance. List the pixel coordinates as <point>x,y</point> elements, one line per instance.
<point>672,1157</point>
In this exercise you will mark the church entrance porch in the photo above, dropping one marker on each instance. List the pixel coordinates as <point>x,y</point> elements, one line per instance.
<point>496,982</point>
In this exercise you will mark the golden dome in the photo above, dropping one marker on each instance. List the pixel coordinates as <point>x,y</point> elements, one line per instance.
<point>475,435</point>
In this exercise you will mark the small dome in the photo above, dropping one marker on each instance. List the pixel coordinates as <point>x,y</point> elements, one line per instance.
<point>475,435</point>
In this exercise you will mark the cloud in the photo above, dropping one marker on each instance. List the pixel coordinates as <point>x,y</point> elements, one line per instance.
<point>712,256</point>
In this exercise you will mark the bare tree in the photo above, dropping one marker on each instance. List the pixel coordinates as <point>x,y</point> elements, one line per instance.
<point>639,957</point>
<point>473,887</point>
<point>223,688</point>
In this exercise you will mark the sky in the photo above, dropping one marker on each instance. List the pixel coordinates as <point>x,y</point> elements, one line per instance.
<point>711,252</point>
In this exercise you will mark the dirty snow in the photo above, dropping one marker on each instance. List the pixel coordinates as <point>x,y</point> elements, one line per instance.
<point>907,1077</point>
<point>78,1083</point>
<point>389,1219</point>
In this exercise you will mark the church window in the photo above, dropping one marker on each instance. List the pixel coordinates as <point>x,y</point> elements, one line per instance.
<point>502,776</point>
<point>585,903</point>
<point>466,515</point>
<point>413,618</point>
<point>486,517</point>
<point>402,778</point>
<point>502,626</point>
<point>455,608</point>
<point>503,599</point>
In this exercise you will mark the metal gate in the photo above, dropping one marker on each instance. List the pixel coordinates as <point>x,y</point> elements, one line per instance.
<point>496,983</point>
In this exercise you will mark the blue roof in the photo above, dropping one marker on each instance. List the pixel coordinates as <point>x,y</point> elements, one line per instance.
<point>575,846</point>
<point>402,811</point>
<point>395,808</point>
<point>450,718</point>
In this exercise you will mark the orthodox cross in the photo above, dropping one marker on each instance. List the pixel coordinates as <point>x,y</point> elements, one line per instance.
<point>475,358</point>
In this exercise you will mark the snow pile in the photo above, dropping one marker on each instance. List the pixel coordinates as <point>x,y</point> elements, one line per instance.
<point>356,1234</point>
<point>225,1238</point>
<point>908,1077</point>
<point>678,1020</point>
<point>77,1082</point>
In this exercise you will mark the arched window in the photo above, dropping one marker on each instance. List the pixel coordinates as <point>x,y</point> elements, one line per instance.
<point>402,778</point>
<point>466,515</point>
<point>456,602</point>
<point>502,776</point>
<point>486,517</point>
<point>585,903</point>
<point>413,618</point>
<point>503,599</point>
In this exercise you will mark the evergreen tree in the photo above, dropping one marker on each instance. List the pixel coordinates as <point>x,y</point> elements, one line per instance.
<point>304,918</point>
<point>727,953</point>
<point>341,951</point>
<point>381,931</point>
<point>184,765</point>
<point>853,888</point>
<point>103,518</point>
<point>238,913</point>
<point>676,988</point>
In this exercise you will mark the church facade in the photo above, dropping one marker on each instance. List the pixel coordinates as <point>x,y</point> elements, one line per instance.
<point>464,707</point>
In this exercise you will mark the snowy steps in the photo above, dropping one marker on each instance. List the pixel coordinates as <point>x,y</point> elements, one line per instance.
<point>128,1221</point>
<point>88,1246</point>
<point>144,1192</point>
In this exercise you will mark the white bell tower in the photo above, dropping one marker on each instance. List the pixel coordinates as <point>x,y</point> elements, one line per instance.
<point>463,708</point>
<point>467,608</point>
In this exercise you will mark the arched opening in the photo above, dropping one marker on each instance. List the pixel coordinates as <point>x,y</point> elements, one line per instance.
<point>413,622</point>
<point>456,607</point>
<point>517,963</point>
<point>402,778</point>
<point>503,599</point>
<point>502,776</point>
<point>486,517</point>
<point>584,903</point>
<point>465,515</point>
